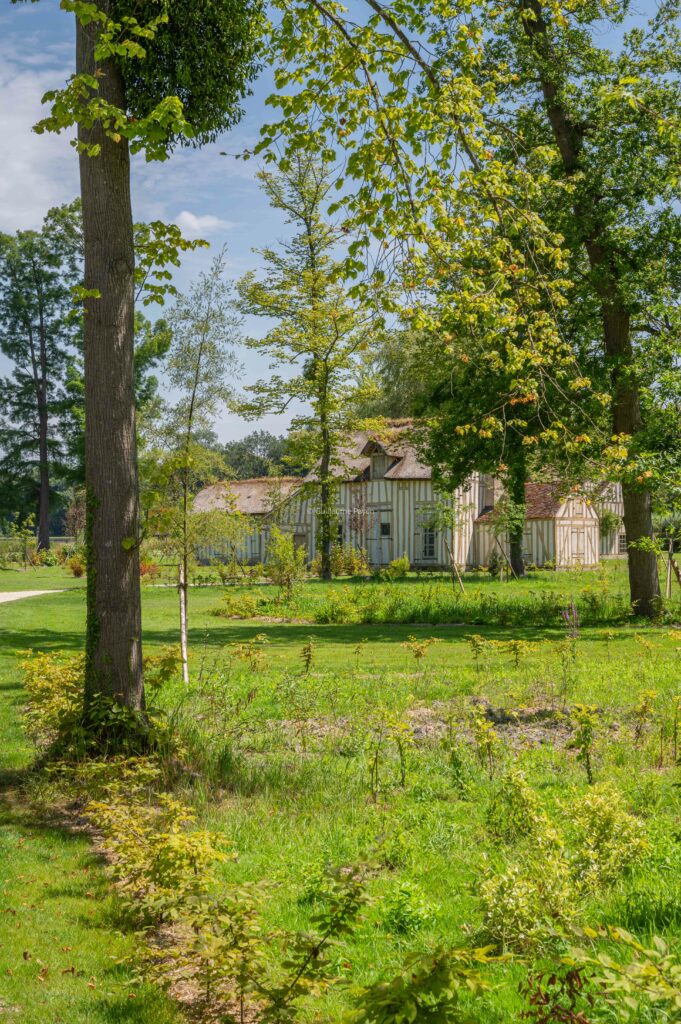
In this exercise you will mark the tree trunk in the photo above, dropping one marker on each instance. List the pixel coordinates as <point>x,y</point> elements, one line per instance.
<point>114,622</point>
<point>44,491</point>
<point>515,534</point>
<point>325,496</point>
<point>184,644</point>
<point>644,582</point>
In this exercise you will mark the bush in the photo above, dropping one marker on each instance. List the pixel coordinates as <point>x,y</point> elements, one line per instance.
<point>149,570</point>
<point>159,863</point>
<point>405,910</point>
<point>397,570</point>
<point>76,565</point>
<point>608,840</point>
<point>495,564</point>
<point>523,904</point>
<point>54,686</point>
<point>285,562</point>
<point>242,606</point>
<point>514,810</point>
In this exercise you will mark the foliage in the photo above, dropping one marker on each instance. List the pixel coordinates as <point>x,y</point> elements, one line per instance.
<point>209,81</point>
<point>159,863</point>
<point>637,976</point>
<point>285,561</point>
<point>523,905</point>
<point>76,565</point>
<point>54,688</point>
<point>397,569</point>
<point>428,989</point>
<point>318,331</point>
<point>608,840</point>
<point>258,454</point>
<point>405,910</point>
<point>586,720</point>
<point>514,809</point>
<point>557,995</point>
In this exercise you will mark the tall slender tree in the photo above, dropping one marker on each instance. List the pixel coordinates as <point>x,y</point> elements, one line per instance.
<point>200,369</point>
<point>39,330</point>
<point>319,332</point>
<point>178,78</point>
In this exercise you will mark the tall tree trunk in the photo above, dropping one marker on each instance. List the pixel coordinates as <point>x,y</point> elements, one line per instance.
<point>184,631</point>
<point>644,583</point>
<point>325,498</point>
<point>515,534</point>
<point>114,622</point>
<point>44,486</point>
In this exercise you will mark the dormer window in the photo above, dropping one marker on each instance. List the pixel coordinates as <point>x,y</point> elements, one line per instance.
<point>380,463</point>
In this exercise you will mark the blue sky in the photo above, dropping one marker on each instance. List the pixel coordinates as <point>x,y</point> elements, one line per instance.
<point>208,195</point>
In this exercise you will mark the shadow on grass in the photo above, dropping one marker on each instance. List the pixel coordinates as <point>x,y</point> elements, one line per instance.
<point>52,870</point>
<point>210,634</point>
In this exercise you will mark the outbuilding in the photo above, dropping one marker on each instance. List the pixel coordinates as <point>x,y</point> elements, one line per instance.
<point>560,529</point>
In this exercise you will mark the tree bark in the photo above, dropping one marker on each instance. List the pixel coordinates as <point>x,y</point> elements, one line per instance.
<point>517,483</point>
<point>644,583</point>
<point>184,641</point>
<point>325,498</point>
<point>114,622</point>
<point>44,486</point>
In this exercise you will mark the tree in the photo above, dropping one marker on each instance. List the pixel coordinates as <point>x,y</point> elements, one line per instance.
<point>199,367</point>
<point>319,332</point>
<point>599,117</point>
<point>125,96</point>
<point>39,328</point>
<point>498,141</point>
<point>393,367</point>
<point>257,454</point>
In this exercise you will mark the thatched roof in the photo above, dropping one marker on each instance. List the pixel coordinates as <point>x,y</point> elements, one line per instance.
<point>256,496</point>
<point>393,440</point>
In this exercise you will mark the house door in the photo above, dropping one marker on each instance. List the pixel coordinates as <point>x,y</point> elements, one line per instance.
<point>578,546</point>
<point>381,538</point>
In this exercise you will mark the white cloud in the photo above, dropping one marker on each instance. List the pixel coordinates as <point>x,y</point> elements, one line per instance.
<point>195,225</point>
<point>38,171</point>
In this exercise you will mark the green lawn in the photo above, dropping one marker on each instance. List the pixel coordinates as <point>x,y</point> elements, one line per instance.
<point>284,758</point>
<point>59,938</point>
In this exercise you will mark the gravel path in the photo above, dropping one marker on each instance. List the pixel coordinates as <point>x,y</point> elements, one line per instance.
<point>16,595</point>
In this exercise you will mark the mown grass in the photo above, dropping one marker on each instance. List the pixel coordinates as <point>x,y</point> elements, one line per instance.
<point>283,757</point>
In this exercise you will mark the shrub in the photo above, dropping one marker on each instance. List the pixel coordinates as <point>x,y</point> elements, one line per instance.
<point>76,565</point>
<point>514,810</point>
<point>54,686</point>
<point>397,570</point>
<point>427,989</point>
<point>149,570</point>
<point>340,606</point>
<point>405,909</point>
<point>523,904</point>
<point>159,863</point>
<point>495,564</point>
<point>241,606</point>
<point>285,562</point>
<point>608,840</point>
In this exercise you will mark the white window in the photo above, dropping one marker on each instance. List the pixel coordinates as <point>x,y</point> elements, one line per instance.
<point>622,544</point>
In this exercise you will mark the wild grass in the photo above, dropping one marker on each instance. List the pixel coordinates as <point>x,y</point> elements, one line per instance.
<point>348,748</point>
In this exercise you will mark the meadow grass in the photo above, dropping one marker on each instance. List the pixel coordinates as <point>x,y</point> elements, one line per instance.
<point>292,729</point>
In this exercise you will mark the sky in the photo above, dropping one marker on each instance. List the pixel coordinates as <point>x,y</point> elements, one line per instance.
<point>208,195</point>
